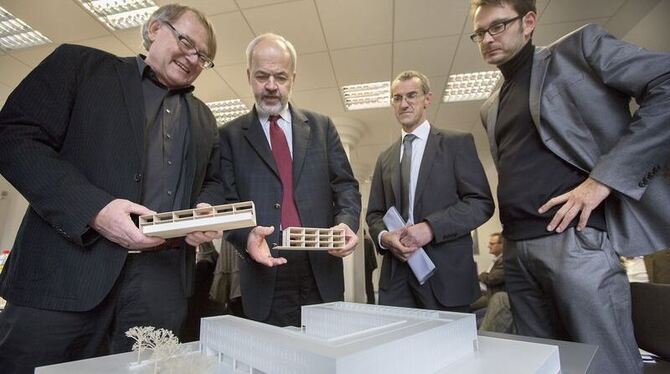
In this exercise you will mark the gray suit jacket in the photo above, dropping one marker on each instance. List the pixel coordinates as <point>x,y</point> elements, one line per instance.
<point>452,195</point>
<point>580,90</point>
<point>325,191</point>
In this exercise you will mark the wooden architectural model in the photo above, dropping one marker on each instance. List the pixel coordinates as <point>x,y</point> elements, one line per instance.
<point>315,239</point>
<point>216,218</point>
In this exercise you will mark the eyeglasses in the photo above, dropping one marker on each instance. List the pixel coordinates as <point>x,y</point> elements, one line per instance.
<point>410,97</point>
<point>187,46</point>
<point>495,29</point>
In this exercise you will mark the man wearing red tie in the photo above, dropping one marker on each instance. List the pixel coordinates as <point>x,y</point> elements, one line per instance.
<point>291,163</point>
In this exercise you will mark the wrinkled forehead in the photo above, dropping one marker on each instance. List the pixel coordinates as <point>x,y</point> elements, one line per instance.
<point>487,15</point>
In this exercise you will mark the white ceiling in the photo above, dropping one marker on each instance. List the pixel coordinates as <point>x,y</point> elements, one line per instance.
<point>342,42</point>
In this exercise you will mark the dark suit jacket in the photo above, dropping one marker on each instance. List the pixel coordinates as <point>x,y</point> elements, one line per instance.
<point>452,195</point>
<point>71,141</point>
<point>580,90</point>
<point>494,279</point>
<point>325,192</point>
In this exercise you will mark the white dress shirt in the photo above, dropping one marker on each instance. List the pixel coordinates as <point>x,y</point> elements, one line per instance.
<point>284,123</point>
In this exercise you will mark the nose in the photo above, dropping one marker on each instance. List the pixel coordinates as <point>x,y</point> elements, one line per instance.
<point>271,84</point>
<point>487,38</point>
<point>192,58</point>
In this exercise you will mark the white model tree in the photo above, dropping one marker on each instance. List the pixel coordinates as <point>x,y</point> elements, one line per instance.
<point>164,344</point>
<point>141,335</point>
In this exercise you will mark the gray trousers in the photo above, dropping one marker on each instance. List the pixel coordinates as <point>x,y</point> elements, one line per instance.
<point>571,286</point>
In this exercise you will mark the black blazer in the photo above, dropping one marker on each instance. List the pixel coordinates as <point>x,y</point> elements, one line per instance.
<point>452,195</point>
<point>71,141</point>
<point>325,191</point>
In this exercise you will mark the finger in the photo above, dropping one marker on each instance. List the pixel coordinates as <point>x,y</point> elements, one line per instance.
<point>569,216</point>
<point>203,205</point>
<point>553,202</point>
<point>263,230</point>
<point>558,216</point>
<point>584,218</point>
<point>134,208</point>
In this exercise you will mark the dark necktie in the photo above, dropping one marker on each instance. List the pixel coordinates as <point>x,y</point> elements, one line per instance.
<point>282,156</point>
<point>405,168</point>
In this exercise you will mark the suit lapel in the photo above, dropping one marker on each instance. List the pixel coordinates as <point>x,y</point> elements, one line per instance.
<point>538,72</point>
<point>254,134</point>
<point>301,133</point>
<point>131,84</point>
<point>199,145</point>
<point>429,156</point>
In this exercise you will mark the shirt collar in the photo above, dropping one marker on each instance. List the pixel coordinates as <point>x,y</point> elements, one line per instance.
<point>421,132</point>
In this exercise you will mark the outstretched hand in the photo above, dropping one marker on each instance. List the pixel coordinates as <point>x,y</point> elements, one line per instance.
<point>258,248</point>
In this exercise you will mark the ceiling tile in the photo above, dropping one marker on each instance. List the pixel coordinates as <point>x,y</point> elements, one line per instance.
<point>33,56</point>
<point>362,65</point>
<point>132,39</point>
<point>314,71</point>
<point>416,19</point>
<point>232,37</point>
<point>575,10</point>
<point>353,23</point>
<point>210,87</point>
<point>110,44</point>
<point>296,21</point>
<point>209,7</point>
<point>652,31</point>
<point>4,93</point>
<point>429,56</point>
<point>256,3</point>
<point>468,59</point>
<point>326,101</point>
<point>72,22</point>
<point>547,34</point>
<point>236,78</point>
<point>459,116</point>
<point>13,71</point>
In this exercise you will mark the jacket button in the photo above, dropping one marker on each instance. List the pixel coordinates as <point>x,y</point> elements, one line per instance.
<point>273,245</point>
<point>277,205</point>
<point>138,177</point>
<point>642,184</point>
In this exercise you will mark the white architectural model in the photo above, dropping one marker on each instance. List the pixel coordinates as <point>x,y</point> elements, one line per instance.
<point>337,338</point>
<point>181,222</point>
<point>359,338</point>
<point>314,239</point>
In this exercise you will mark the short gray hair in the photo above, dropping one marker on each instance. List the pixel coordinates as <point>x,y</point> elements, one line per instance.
<point>409,74</point>
<point>171,13</point>
<point>277,38</point>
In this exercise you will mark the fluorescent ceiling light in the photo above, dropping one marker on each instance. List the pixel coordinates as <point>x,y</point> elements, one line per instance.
<point>227,110</point>
<point>471,86</point>
<point>15,34</point>
<point>367,95</point>
<point>120,14</point>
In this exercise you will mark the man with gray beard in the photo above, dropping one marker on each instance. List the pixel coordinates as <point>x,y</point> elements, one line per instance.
<point>291,164</point>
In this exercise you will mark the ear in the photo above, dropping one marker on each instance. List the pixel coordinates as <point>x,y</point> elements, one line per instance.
<point>153,28</point>
<point>529,23</point>
<point>429,100</point>
<point>248,76</point>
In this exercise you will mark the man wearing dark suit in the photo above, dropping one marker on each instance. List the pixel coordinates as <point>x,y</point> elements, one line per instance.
<point>291,163</point>
<point>566,145</point>
<point>91,139</point>
<point>447,196</point>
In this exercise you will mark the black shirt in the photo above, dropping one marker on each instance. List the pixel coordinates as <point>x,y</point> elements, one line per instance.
<point>529,174</point>
<point>166,139</point>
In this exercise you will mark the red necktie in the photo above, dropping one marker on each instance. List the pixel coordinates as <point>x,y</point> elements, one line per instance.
<point>282,156</point>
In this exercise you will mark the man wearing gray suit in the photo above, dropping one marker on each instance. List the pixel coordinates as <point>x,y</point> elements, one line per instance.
<point>291,163</point>
<point>580,177</point>
<point>436,180</point>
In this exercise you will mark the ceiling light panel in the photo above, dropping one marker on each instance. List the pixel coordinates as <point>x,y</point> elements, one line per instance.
<point>120,14</point>
<point>367,95</point>
<point>16,34</point>
<point>471,86</point>
<point>227,110</point>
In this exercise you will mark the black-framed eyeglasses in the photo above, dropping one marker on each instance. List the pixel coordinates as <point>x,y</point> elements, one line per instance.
<point>410,97</point>
<point>187,46</point>
<point>495,29</point>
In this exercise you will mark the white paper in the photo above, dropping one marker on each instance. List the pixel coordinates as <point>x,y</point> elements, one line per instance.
<point>422,266</point>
